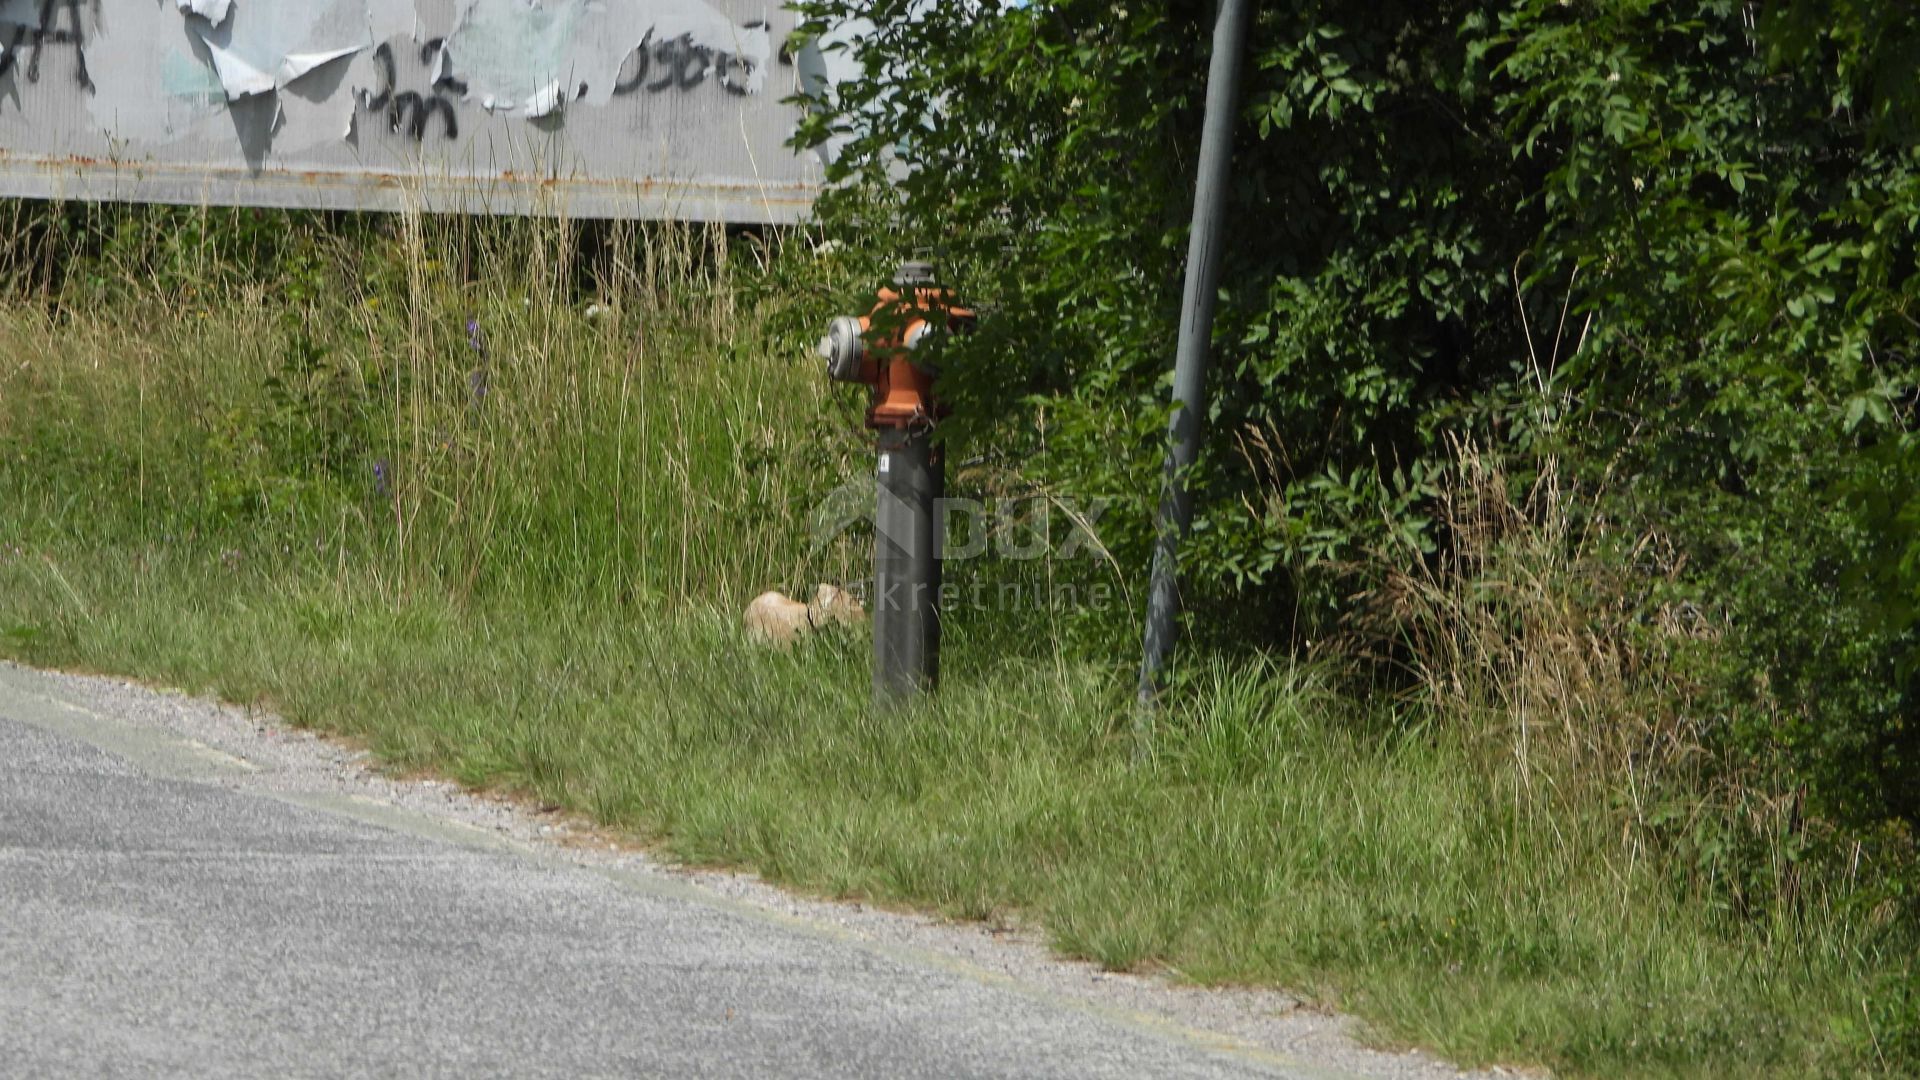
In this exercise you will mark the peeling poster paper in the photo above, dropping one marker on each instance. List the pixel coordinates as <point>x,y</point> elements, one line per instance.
<point>238,77</point>
<point>508,51</point>
<point>299,64</point>
<point>265,46</point>
<point>545,101</point>
<point>214,11</point>
<point>621,108</point>
<point>511,51</point>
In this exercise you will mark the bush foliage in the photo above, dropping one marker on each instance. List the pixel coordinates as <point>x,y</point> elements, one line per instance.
<point>1666,248</point>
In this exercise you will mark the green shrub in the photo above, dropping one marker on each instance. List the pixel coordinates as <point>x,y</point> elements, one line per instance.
<point>1667,246</point>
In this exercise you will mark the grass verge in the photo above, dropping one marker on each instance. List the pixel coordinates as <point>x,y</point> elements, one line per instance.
<point>1276,838</point>
<point>502,537</point>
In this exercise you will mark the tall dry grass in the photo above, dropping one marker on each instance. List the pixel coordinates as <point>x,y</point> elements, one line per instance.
<point>1530,632</point>
<point>1539,635</point>
<point>530,405</point>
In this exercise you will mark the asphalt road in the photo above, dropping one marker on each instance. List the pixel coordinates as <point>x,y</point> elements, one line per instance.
<point>160,917</point>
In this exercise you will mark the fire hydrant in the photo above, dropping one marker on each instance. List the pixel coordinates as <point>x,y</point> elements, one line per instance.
<point>881,350</point>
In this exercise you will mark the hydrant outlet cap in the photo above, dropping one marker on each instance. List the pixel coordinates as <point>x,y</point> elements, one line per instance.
<point>843,349</point>
<point>913,272</point>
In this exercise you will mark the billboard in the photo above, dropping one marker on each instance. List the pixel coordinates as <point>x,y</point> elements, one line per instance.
<point>661,109</point>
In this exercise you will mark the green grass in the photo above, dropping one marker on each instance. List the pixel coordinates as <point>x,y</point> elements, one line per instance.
<point>1277,837</point>
<point>538,595</point>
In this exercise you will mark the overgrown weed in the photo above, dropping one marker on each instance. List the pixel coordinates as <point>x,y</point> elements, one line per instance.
<point>488,495</point>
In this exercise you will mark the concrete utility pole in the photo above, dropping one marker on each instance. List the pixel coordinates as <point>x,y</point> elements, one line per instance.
<point>1196,332</point>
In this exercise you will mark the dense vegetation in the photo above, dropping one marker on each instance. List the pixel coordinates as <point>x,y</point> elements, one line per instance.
<point>1549,696</point>
<point>1650,267</point>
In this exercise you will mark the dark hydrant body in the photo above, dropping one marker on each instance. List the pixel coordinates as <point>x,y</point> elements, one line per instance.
<point>910,478</point>
<point>909,471</point>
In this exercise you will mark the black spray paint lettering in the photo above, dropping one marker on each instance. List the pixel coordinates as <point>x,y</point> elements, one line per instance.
<point>434,53</point>
<point>383,62</point>
<point>679,64</point>
<point>48,32</point>
<point>724,62</point>
<point>682,65</point>
<point>623,83</point>
<point>410,111</point>
<point>723,70</point>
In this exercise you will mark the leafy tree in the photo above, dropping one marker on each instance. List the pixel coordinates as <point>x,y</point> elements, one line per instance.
<point>1671,243</point>
<point>1045,154</point>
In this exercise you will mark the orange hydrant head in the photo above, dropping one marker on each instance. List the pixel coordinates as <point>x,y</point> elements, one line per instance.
<point>879,348</point>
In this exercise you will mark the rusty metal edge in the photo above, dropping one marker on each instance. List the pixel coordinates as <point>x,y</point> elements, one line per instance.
<point>662,199</point>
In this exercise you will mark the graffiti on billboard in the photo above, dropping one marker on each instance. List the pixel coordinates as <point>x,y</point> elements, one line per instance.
<point>580,96</point>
